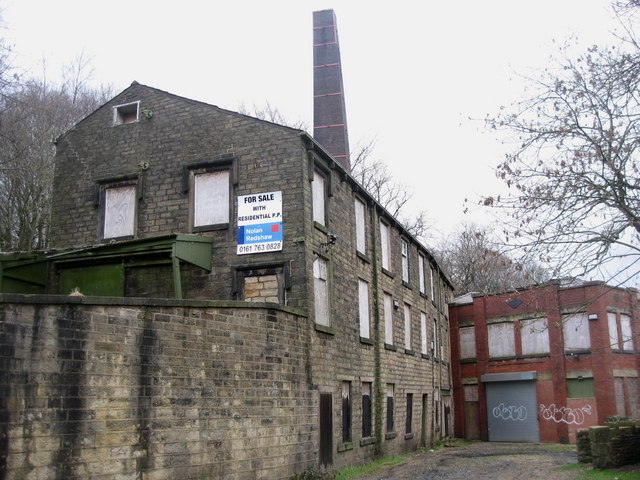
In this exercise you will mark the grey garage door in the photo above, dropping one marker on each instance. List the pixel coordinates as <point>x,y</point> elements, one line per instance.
<point>512,407</point>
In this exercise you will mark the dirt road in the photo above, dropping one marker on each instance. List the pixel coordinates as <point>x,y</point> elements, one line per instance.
<point>482,460</point>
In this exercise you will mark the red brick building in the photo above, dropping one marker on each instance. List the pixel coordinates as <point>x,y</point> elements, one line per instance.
<point>538,364</point>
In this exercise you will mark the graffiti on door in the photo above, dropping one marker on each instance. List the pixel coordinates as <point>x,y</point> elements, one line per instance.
<point>575,416</point>
<point>510,412</point>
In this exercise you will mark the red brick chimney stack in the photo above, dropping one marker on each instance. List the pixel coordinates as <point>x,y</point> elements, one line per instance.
<point>329,113</point>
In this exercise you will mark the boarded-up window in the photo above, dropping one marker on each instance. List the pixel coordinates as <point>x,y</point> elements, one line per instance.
<point>627,335</point>
<point>534,334</point>
<point>321,291</point>
<point>575,329</point>
<point>501,340</point>
<point>423,287</point>
<point>119,211</point>
<point>367,419</point>
<point>423,333</point>
<point>390,392</point>
<point>361,244</point>
<point>363,305</point>
<point>432,284</point>
<point>471,393</point>
<point>385,244</point>
<point>319,198</point>
<point>211,199</point>
<point>580,388</point>
<point>618,384</point>
<point>467,342</point>
<point>620,335</point>
<point>346,411</point>
<point>388,319</point>
<point>405,260</point>
<point>407,327</point>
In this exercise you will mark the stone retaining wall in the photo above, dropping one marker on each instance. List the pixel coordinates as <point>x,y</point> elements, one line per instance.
<point>130,389</point>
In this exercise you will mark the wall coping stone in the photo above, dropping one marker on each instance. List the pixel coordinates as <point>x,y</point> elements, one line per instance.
<point>142,301</point>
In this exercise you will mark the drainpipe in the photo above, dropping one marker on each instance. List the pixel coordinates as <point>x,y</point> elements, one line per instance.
<point>378,390</point>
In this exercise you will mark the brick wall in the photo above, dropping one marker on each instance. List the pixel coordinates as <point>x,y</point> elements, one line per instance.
<point>97,390</point>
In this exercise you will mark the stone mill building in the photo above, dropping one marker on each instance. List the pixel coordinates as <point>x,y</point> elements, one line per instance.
<point>222,300</point>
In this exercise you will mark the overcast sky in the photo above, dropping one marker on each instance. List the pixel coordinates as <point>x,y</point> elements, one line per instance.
<point>416,74</point>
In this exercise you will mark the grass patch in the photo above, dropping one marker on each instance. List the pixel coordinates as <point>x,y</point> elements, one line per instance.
<point>589,473</point>
<point>610,475</point>
<point>378,465</point>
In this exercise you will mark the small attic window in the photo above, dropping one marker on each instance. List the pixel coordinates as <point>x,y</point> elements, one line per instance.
<point>127,113</point>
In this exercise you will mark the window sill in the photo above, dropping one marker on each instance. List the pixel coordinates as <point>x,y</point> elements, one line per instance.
<point>363,257</point>
<point>464,361</point>
<point>320,227</point>
<point>366,341</point>
<point>325,329</point>
<point>425,356</point>
<point>343,447</point>
<point>367,441</point>
<point>623,352</point>
<point>118,239</point>
<point>388,346</point>
<point>210,228</point>
<point>390,435</point>
<point>409,351</point>
<point>409,436</point>
<point>424,295</point>
<point>387,273</point>
<point>406,284</point>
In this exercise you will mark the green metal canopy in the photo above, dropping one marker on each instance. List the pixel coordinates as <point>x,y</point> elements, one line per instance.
<point>100,270</point>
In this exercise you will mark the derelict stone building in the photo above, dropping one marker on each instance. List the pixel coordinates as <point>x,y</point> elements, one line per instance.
<point>240,308</point>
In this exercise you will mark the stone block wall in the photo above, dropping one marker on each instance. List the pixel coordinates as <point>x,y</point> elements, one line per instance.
<point>134,389</point>
<point>610,446</point>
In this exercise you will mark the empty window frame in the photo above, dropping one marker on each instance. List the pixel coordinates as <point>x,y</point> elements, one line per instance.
<point>363,304</point>
<point>467,343</point>
<point>321,291</point>
<point>409,417</point>
<point>346,411</point>
<point>390,393</point>
<point>575,329</point>
<point>422,280</point>
<point>385,245</point>
<point>210,200</point>
<point>404,250</point>
<point>367,410</point>
<point>424,347</point>
<point>501,338</point>
<point>126,113</point>
<point>620,334</point>
<point>407,326</point>
<point>388,319</point>
<point>534,336</point>
<point>361,210</point>
<point>319,194</point>
<point>119,211</point>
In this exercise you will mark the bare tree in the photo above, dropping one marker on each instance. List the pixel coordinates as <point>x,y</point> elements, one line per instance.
<point>34,114</point>
<point>371,172</point>
<point>574,200</point>
<point>374,175</point>
<point>473,263</point>
<point>271,114</point>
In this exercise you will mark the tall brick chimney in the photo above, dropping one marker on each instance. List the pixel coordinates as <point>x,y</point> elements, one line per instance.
<point>329,113</point>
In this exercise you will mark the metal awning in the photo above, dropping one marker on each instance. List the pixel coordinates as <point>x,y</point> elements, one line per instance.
<point>174,248</point>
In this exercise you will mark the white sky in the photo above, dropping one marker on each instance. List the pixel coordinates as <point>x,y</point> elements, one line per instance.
<point>414,72</point>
